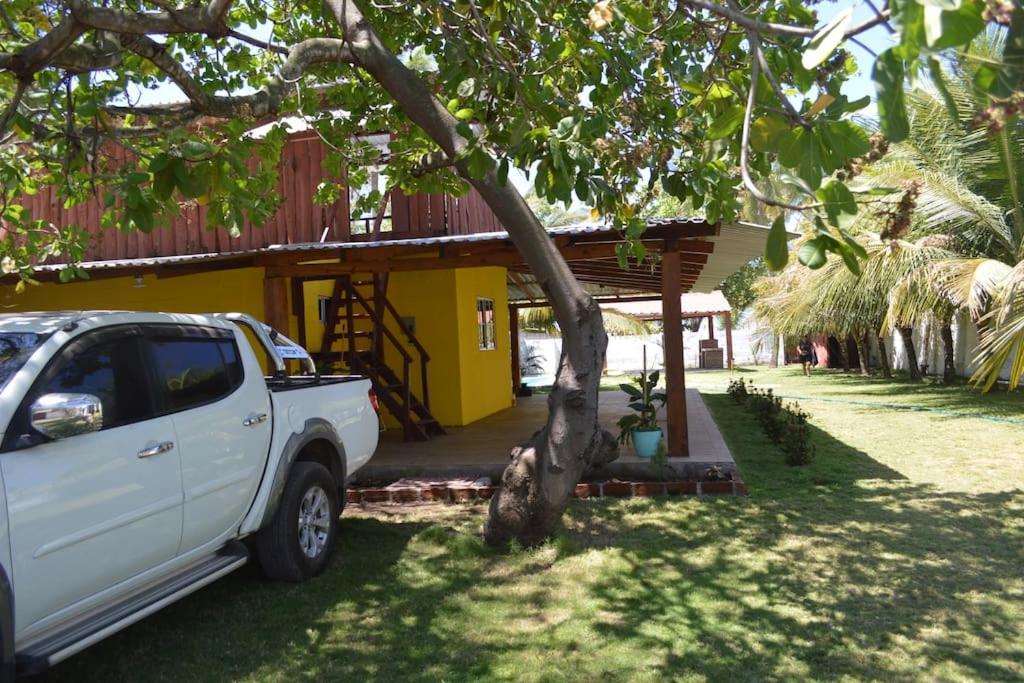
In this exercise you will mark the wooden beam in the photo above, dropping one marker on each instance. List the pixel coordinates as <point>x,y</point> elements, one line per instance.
<point>513,326</point>
<point>275,303</point>
<point>675,381</point>
<point>506,257</point>
<point>728,339</point>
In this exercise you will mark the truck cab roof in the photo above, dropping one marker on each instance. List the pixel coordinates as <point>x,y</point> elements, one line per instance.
<point>45,322</point>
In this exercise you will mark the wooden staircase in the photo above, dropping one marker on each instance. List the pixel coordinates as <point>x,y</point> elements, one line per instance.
<point>360,335</point>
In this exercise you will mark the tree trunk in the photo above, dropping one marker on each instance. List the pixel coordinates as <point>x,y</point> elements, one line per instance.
<point>773,361</point>
<point>862,355</point>
<point>887,371</point>
<point>538,484</point>
<point>844,357</point>
<point>907,334</point>
<point>949,351</point>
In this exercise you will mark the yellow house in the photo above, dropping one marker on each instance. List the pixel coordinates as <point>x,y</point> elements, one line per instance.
<point>423,300</point>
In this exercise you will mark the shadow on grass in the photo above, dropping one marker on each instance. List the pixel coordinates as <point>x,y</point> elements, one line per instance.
<point>843,568</point>
<point>247,627</point>
<point>840,568</point>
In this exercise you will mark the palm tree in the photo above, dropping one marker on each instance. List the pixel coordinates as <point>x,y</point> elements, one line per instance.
<point>833,300</point>
<point>970,180</point>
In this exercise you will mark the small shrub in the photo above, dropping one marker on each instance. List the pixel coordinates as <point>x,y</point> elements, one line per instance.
<point>786,426</point>
<point>796,436</point>
<point>738,389</point>
<point>767,408</point>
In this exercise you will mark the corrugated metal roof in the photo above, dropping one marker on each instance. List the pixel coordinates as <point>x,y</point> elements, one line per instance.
<point>312,247</point>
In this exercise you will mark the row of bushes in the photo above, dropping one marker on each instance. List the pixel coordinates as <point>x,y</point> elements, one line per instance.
<point>786,425</point>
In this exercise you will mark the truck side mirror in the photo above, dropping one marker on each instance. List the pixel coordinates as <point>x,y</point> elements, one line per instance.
<point>59,416</point>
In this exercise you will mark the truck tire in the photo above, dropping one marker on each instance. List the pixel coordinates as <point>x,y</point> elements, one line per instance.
<point>298,542</point>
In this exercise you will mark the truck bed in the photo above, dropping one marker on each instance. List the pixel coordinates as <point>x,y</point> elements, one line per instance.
<point>308,381</point>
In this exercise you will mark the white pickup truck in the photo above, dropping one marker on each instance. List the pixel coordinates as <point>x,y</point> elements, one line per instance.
<point>140,449</point>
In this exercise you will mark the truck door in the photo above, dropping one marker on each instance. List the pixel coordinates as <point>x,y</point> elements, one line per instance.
<point>220,405</point>
<point>90,510</point>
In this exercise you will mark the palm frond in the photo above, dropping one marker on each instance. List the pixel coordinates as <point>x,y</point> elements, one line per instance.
<point>1001,339</point>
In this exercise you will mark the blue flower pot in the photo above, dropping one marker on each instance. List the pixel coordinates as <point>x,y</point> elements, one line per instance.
<point>645,442</point>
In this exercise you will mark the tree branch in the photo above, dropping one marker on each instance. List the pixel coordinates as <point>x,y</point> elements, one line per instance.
<point>432,162</point>
<point>12,106</point>
<point>744,20</point>
<point>207,19</point>
<point>748,181</point>
<point>740,18</point>
<point>256,42</point>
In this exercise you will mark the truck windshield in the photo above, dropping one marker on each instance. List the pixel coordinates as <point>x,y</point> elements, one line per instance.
<point>15,348</point>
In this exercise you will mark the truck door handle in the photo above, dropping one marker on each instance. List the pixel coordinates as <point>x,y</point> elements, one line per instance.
<point>161,447</point>
<point>253,420</point>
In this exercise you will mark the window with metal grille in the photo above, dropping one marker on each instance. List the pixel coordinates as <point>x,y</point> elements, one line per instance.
<point>485,324</point>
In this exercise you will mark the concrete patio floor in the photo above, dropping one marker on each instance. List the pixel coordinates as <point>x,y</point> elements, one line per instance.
<point>482,448</point>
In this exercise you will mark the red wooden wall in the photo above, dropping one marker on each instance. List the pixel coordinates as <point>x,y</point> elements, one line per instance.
<point>299,219</point>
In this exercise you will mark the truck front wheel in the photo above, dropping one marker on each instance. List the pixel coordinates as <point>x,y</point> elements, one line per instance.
<point>297,543</point>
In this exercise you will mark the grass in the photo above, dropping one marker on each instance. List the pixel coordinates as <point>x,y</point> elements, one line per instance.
<point>897,555</point>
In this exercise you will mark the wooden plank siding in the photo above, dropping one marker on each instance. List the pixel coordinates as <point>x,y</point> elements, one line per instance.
<point>298,219</point>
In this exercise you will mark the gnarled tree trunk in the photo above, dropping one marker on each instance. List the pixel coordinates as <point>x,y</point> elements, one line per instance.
<point>949,353</point>
<point>907,335</point>
<point>539,482</point>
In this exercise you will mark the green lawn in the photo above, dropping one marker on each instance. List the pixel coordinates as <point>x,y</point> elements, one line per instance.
<point>897,555</point>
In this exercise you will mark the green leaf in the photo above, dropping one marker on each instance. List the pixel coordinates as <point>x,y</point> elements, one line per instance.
<point>464,114</point>
<point>826,40</point>
<point>727,123</point>
<point>813,253</point>
<point>892,113</point>
<point>718,91</point>
<point>466,88</point>
<point>503,172</point>
<point>939,80</point>
<point>631,390</point>
<point>849,258</point>
<point>951,24</point>
<point>136,178</point>
<point>776,251</point>
<point>840,206</point>
<point>195,181</point>
<point>766,131</point>
<point>163,184</point>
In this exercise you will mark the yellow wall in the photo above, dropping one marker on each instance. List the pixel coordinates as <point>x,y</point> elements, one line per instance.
<point>229,290</point>
<point>486,377</point>
<point>465,383</point>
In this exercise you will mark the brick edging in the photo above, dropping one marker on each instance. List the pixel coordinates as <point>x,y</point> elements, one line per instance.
<point>605,489</point>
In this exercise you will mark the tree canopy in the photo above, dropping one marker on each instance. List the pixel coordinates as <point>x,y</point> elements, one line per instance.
<point>597,102</point>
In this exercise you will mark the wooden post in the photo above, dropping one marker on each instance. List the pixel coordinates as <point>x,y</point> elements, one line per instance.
<point>728,339</point>
<point>675,381</point>
<point>513,327</point>
<point>711,327</point>
<point>299,308</point>
<point>275,303</point>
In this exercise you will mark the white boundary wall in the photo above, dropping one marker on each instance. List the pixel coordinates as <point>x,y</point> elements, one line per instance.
<point>625,353</point>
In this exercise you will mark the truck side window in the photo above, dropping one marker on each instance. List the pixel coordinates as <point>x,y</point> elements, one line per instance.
<point>196,371</point>
<point>110,370</point>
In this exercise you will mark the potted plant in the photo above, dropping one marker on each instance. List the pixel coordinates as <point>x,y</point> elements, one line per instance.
<point>641,427</point>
